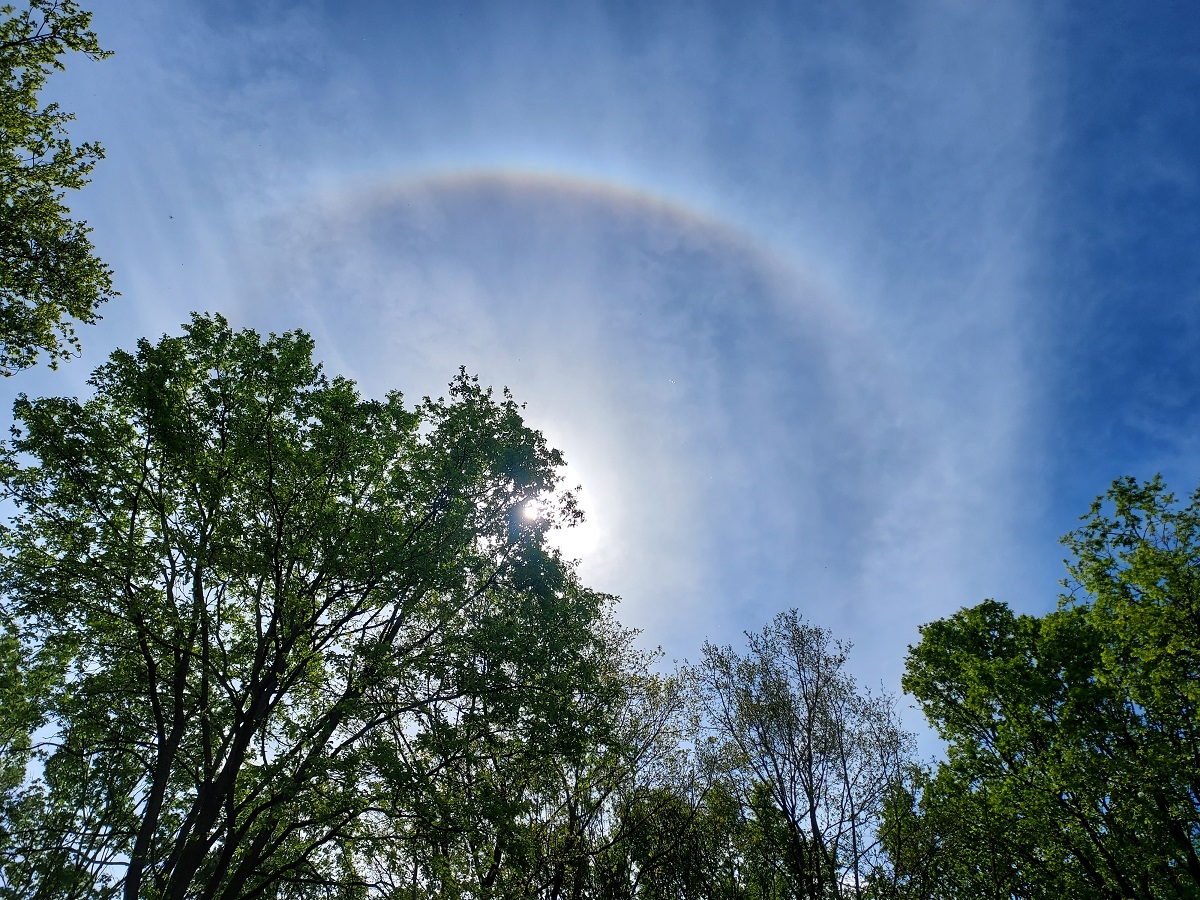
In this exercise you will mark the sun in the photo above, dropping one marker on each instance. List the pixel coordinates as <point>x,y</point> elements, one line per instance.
<point>575,542</point>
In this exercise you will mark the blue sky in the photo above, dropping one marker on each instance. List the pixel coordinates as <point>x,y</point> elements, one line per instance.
<point>851,307</point>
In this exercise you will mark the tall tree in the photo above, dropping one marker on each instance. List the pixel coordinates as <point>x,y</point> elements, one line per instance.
<point>815,755</point>
<point>259,613</point>
<point>1079,729</point>
<point>516,808</point>
<point>50,276</point>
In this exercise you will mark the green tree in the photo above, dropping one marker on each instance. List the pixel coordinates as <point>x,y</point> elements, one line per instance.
<point>943,841</point>
<point>515,807</point>
<point>259,616</point>
<point>675,842</point>
<point>49,274</point>
<point>814,756</point>
<point>1079,730</point>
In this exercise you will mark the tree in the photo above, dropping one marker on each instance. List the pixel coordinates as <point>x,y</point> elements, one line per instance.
<point>259,615</point>
<point>522,812</point>
<point>679,841</point>
<point>49,273</point>
<point>1082,726</point>
<point>815,757</point>
<point>941,841</point>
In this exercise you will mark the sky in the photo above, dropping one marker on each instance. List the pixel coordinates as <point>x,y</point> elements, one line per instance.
<point>848,307</point>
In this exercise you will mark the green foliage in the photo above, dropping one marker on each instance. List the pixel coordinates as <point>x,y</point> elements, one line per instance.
<point>261,637</point>
<point>49,274</point>
<point>1074,738</point>
<point>946,840</point>
<point>812,756</point>
<point>676,843</point>
<point>261,620</point>
<point>525,815</point>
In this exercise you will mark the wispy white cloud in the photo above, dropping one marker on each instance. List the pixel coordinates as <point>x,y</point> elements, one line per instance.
<point>741,449</point>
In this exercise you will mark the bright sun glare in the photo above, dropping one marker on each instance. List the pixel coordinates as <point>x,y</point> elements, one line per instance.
<point>574,543</point>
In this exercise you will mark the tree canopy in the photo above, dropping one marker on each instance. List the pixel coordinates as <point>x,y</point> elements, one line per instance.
<point>50,276</point>
<point>263,637</point>
<point>261,615</point>
<point>1073,766</point>
<point>811,755</point>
